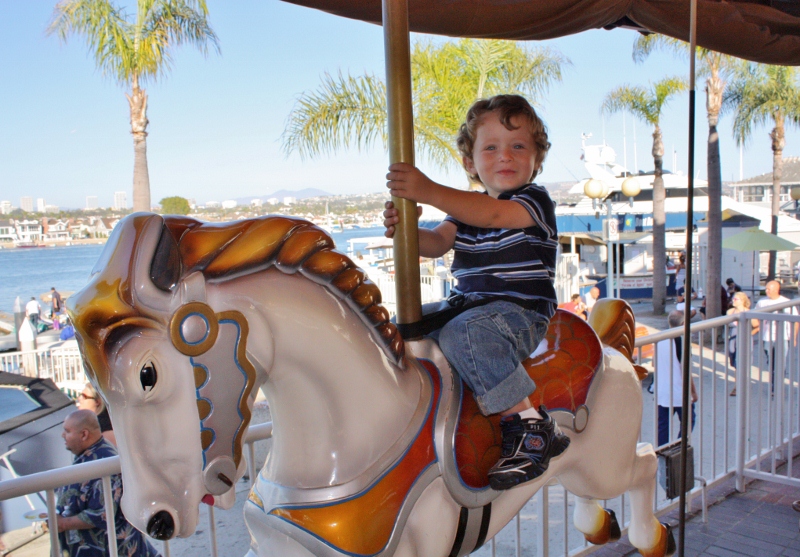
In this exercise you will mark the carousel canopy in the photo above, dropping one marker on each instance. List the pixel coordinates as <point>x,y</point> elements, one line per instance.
<point>766,31</point>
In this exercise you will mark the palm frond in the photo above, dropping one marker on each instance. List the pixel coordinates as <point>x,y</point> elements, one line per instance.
<point>344,111</point>
<point>759,94</point>
<point>103,26</point>
<point>634,100</point>
<point>447,78</point>
<point>645,45</point>
<point>138,47</point>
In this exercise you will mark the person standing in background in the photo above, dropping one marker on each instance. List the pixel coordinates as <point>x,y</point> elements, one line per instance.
<point>680,271</point>
<point>591,299</point>
<point>669,382</point>
<point>81,512</point>
<point>89,399</point>
<point>57,305</point>
<point>740,303</point>
<point>32,310</point>
<point>771,330</point>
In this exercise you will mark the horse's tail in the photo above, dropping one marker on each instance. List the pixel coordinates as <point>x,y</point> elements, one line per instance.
<point>615,324</point>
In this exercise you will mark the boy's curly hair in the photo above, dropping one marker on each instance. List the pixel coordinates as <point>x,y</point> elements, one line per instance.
<point>506,107</point>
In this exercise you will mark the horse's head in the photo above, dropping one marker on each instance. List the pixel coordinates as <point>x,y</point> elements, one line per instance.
<point>152,348</point>
<point>176,373</point>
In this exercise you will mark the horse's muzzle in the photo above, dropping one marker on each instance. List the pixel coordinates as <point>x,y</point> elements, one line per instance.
<point>161,526</point>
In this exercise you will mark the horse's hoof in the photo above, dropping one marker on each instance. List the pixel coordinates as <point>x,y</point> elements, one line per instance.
<point>609,531</point>
<point>665,546</point>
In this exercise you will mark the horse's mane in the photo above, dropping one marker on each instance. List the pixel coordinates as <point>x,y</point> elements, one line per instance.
<point>107,305</point>
<point>225,251</point>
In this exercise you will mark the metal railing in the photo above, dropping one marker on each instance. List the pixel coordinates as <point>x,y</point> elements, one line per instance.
<point>747,436</point>
<point>60,362</point>
<point>51,480</point>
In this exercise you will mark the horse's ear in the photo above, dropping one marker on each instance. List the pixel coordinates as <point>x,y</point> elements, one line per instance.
<point>165,268</point>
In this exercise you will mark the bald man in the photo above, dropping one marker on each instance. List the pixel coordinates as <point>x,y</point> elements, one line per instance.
<point>591,298</point>
<point>81,515</point>
<point>771,330</point>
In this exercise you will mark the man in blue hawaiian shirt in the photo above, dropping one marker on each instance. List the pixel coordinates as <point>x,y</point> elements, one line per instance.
<point>81,515</point>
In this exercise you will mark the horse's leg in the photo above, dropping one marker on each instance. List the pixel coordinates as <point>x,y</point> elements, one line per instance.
<point>645,533</point>
<point>598,525</point>
<point>268,542</point>
<point>432,525</point>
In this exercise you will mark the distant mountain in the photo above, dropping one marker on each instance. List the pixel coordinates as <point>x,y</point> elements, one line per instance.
<point>280,194</point>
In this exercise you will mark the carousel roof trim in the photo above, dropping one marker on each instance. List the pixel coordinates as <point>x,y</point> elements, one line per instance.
<point>766,31</point>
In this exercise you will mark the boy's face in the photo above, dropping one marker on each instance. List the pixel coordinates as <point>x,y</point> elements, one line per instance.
<point>503,159</point>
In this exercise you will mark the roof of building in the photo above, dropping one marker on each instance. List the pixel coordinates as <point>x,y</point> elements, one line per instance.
<point>790,175</point>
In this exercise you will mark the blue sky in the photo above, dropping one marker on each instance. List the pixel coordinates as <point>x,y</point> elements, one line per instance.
<point>215,123</point>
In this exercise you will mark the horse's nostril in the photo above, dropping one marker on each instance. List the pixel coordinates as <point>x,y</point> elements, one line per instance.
<point>161,526</point>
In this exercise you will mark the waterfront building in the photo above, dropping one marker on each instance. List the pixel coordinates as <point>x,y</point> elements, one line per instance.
<point>55,229</point>
<point>5,207</point>
<point>26,204</point>
<point>91,202</point>
<point>758,189</point>
<point>8,232</point>
<point>120,201</point>
<point>29,231</point>
<point>582,226</point>
<point>101,227</point>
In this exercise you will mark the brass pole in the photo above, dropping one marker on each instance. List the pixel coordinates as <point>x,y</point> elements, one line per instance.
<point>401,149</point>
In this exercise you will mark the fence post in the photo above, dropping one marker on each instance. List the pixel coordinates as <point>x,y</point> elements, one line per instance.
<point>744,341</point>
<point>111,523</point>
<point>52,515</point>
<point>542,525</point>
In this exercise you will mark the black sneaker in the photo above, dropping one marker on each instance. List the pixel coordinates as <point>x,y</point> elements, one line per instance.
<point>528,446</point>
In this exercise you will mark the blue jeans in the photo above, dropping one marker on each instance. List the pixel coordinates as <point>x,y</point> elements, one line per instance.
<point>663,422</point>
<point>485,346</point>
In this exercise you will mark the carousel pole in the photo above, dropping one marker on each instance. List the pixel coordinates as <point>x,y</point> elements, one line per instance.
<point>401,149</point>
<point>686,360</point>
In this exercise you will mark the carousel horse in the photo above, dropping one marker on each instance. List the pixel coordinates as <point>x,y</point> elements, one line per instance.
<point>378,448</point>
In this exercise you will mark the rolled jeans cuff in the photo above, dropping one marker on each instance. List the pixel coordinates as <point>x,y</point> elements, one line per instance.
<point>516,387</point>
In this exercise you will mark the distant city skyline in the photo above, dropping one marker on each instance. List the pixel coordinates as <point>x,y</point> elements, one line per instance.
<point>216,123</point>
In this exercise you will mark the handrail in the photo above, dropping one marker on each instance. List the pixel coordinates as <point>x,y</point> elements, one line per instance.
<point>708,324</point>
<point>58,477</point>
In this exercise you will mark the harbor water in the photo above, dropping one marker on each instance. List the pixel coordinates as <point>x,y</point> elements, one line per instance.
<point>31,272</point>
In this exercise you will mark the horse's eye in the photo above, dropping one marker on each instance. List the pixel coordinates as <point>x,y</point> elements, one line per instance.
<point>148,376</point>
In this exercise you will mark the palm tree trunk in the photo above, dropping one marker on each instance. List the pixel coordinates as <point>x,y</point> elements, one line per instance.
<point>659,227</point>
<point>141,178</point>
<point>714,87</point>
<point>778,142</point>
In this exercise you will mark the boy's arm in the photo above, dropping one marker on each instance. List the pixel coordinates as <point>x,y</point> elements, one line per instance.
<point>483,211</point>
<point>437,242</point>
<point>432,242</point>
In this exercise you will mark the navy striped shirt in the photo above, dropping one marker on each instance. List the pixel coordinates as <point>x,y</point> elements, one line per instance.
<point>511,264</point>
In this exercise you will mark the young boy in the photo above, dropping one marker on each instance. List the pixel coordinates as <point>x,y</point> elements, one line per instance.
<point>505,251</point>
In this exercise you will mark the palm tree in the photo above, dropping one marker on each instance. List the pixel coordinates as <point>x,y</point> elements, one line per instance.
<point>757,94</point>
<point>132,49</point>
<point>347,111</point>
<point>715,67</point>
<point>647,105</point>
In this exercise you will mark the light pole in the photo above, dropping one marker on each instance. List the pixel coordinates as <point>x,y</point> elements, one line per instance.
<point>795,193</point>
<point>596,190</point>
<point>630,189</point>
